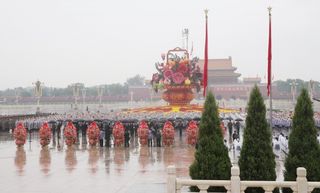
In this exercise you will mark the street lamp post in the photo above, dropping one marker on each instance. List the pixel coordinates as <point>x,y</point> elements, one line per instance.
<point>38,93</point>
<point>311,88</point>
<point>76,93</point>
<point>293,85</point>
<point>83,92</point>
<point>100,94</point>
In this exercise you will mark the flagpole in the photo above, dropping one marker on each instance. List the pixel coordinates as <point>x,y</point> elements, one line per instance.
<point>269,68</point>
<point>205,68</point>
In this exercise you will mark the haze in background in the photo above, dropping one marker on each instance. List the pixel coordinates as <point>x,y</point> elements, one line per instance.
<point>101,42</point>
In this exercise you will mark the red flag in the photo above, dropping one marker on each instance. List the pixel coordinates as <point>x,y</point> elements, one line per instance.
<point>205,68</point>
<point>269,55</point>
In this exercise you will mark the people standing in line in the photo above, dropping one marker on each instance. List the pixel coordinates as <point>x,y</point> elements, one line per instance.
<point>126,138</point>
<point>230,129</point>
<point>150,136</point>
<point>101,136</point>
<point>237,127</point>
<point>234,136</point>
<point>158,138</point>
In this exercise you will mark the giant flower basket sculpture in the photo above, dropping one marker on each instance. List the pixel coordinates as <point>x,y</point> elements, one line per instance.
<point>118,133</point>
<point>45,134</point>
<point>143,133</point>
<point>192,133</point>
<point>168,134</point>
<point>70,134</point>
<point>20,134</point>
<point>178,75</point>
<point>93,133</point>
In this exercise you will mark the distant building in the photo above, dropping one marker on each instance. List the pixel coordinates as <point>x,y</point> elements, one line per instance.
<point>221,71</point>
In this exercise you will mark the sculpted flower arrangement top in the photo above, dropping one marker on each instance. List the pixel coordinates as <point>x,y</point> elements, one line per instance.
<point>177,70</point>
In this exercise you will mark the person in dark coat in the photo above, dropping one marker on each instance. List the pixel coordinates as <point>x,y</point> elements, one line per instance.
<point>126,138</point>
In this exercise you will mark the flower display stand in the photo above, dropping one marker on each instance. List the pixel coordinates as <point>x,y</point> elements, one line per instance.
<point>192,133</point>
<point>143,133</point>
<point>20,135</point>
<point>45,135</point>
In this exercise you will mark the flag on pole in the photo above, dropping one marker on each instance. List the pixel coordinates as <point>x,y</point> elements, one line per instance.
<point>269,55</point>
<point>205,67</point>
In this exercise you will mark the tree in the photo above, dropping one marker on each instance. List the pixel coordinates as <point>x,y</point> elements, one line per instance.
<point>303,146</point>
<point>257,161</point>
<point>212,161</point>
<point>137,80</point>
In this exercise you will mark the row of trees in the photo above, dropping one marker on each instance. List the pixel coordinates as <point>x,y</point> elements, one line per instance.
<point>257,160</point>
<point>109,89</point>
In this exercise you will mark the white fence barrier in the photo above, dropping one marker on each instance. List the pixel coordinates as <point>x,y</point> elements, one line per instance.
<point>235,185</point>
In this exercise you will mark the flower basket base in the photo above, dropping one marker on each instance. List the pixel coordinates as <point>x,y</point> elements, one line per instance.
<point>178,95</point>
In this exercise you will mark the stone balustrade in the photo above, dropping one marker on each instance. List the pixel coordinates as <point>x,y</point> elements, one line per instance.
<point>235,185</point>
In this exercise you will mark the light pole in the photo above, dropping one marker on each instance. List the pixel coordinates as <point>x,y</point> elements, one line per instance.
<point>38,93</point>
<point>293,85</point>
<point>84,92</point>
<point>76,93</point>
<point>311,88</point>
<point>17,95</point>
<point>100,94</point>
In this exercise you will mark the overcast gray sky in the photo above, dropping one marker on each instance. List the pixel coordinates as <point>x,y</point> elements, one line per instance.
<point>100,42</point>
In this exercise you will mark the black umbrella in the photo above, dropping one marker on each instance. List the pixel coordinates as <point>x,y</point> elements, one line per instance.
<point>197,118</point>
<point>52,122</point>
<point>238,119</point>
<point>229,118</point>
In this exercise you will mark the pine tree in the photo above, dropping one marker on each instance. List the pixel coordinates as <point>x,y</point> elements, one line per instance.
<point>212,161</point>
<point>304,150</point>
<point>257,160</point>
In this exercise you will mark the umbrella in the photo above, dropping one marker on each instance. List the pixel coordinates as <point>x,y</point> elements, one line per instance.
<point>229,118</point>
<point>197,118</point>
<point>238,119</point>
<point>52,122</point>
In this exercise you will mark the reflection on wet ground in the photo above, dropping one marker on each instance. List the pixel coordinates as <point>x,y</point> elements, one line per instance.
<point>90,169</point>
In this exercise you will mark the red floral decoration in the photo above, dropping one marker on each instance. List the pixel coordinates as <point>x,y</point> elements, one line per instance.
<point>143,133</point>
<point>192,133</point>
<point>177,70</point>
<point>20,134</point>
<point>118,133</point>
<point>45,134</point>
<point>70,133</point>
<point>93,133</point>
<point>168,134</point>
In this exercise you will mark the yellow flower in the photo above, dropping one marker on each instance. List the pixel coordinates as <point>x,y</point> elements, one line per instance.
<point>187,81</point>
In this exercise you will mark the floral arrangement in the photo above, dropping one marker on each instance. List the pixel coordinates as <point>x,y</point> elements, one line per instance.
<point>178,70</point>
<point>45,134</point>
<point>70,133</point>
<point>20,134</point>
<point>93,133</point>
<point>192,133</point>
<point>143,133</point>
<point>168,134</point>
<point>118,133</point>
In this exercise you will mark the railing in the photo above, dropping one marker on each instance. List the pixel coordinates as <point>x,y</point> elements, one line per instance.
<point>235,185</point>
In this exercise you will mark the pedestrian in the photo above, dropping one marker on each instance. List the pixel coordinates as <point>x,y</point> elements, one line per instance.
<point>126,138</point>
<point>150,136</point>
<point>158,137</point>
<point>230,125</point>
<point>101,136</point>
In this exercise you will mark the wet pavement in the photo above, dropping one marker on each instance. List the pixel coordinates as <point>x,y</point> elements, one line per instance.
<point>86,169</point>
<point>81,168</point>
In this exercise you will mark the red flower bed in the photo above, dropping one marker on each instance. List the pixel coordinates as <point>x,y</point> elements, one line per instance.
<point>45,134</point>
<point>20,134</point>
<point>70,134</point>
<point>93,133</point>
